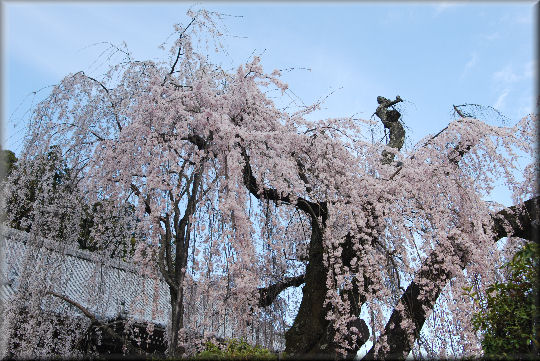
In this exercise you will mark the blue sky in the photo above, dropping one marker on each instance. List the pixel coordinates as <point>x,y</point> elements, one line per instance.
<point>432,54</point>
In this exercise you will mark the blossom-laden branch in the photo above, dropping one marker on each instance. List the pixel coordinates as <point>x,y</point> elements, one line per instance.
<point>314,210</point>
<point>421,294</point>
<point>179,49</point>
<point>454,156</point>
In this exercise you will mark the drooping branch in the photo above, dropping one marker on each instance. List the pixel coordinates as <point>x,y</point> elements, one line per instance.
<point>313,209</point>
<point>113,106</point>
<point>468,110</point>
<point>94,320</point>
<point>268,294</point>
<point>454,156</point>
<point>137,192</point>
<point>420,297</point>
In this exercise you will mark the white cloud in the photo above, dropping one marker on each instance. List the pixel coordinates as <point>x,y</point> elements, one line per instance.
<point>529,69</point>
<point>500,102</point>
<point>511,85</point>
<point>444,6</point>
<point>490,37</point>
<point>470,64</point>
<point>506,75</point>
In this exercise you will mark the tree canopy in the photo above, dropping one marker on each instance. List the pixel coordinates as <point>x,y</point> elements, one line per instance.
<point>27,186</point>
<point>8,162</point>
<point>237,200</point>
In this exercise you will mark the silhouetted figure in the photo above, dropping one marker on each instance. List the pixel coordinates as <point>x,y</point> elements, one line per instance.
<point>390,120</point>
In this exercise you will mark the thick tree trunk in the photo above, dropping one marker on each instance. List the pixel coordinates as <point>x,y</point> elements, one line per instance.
<point>177,322</point>
<point>311,335</point>
<point>308,334</point>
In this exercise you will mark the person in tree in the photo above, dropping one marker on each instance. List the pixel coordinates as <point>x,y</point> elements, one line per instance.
<point>390,120</point>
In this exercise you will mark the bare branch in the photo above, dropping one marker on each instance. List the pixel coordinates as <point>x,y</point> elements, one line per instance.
<point>76,304</point>
<point>94,320</point>
<point>458,111</point>
<point>96,135</point>
<point>176,60</point>
<point>268,294</point>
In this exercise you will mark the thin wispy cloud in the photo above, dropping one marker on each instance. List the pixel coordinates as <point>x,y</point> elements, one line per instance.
<point>469,65</point>
<point>525,19</point>
<point>490,37</point>
<point>500,102</point>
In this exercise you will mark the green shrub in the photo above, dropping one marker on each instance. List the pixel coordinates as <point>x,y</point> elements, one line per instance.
<point>235,350</point>
<point>507,313</point>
